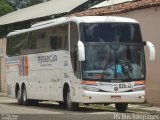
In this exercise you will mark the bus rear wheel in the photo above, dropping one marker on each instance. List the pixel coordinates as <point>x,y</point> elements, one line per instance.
<point>19,97</point>
<point>25,100</point>
<point>121,107</point>
<point>70,105</point>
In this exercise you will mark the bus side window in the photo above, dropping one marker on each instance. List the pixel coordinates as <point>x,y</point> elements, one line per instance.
<point>59,37</point>
<point>52,42</point>
<point>55,42</point>
<point>16,45</point>
<point>74,37</point>
<point>24,47</point>
<point>42,40</point>
<point>66,43</point>
<point>32,42</point>
<point>65,37</point>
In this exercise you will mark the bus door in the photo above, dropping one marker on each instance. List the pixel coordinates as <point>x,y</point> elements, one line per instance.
<point>75,64</point>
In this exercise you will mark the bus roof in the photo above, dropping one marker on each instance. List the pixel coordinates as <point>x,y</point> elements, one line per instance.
<point>62,20</point>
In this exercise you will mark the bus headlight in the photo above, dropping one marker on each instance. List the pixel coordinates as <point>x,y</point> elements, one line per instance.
<point>93,89</point>
<point>139,89</point>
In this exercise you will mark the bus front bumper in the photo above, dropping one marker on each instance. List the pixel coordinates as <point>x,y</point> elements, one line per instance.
<point>103,97</point>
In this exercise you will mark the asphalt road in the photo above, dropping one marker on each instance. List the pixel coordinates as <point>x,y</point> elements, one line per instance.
<point>10,110</point>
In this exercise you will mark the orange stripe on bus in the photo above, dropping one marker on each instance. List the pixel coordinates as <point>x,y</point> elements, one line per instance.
<point>26,66</point>
<point>139,82</point>
<point>88,82</point>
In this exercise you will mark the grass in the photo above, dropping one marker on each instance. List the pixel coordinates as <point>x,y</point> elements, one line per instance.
<point>112,108</point>
<point>99,106</point>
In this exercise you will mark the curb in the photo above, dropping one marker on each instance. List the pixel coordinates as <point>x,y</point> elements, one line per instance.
<point>3,94</point>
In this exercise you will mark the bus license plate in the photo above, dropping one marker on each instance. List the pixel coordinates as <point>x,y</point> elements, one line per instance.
<point>116,97</point>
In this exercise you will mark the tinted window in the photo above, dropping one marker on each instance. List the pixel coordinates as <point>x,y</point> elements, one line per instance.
<point>17,44</point>
<point>59,37</point>
<point>55,42</point>
<point>43,40</point>
<point>110,32</point>
<point>73,42</point>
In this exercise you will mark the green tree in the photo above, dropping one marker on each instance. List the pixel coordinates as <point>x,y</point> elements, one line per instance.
<point>18,4</point>
<point>5,7</point>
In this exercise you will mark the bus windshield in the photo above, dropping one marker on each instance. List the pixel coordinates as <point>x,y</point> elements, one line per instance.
<point>110,32</point>
<point>114,61</point>
<point>113,51</point>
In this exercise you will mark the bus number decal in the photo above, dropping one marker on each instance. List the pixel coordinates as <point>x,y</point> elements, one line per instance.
<point>123,85</point>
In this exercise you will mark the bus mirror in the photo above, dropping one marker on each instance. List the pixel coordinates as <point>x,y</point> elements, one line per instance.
<point>81,51</point>
<point>151,50</point>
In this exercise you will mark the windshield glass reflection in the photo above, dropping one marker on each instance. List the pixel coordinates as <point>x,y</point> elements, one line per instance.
<point>113,61</point>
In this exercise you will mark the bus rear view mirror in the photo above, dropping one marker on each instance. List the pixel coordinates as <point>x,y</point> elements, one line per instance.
<point>81,51</point>
<point>151,50</point>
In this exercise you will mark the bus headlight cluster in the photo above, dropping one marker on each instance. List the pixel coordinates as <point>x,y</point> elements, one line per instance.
<point>142,88</point>
<point>93,89</point>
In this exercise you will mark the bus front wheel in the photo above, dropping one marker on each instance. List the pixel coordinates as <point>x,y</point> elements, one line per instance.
<point>121,107</point>
<point>70,105</point>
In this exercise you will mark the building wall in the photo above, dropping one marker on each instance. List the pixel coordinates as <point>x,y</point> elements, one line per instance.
<point>149,20</point>
<point>3,82</point>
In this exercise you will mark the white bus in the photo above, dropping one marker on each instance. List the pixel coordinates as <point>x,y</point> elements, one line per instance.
<point>72,60</point>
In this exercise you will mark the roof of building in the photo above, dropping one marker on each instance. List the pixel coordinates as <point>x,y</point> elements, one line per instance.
<point>119,8</point>
<point>110,2</point>
<point>41,10</point>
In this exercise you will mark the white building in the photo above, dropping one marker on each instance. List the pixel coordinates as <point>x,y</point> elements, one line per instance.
<point>3,84</point>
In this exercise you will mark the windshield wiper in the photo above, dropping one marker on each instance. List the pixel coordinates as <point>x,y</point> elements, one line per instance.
<point>106,66</point>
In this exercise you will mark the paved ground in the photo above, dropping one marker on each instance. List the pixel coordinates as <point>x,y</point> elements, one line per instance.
<point>10,106</point>
<point>10,110</point>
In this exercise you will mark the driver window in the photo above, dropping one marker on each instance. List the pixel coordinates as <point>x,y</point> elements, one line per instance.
<point>74,37</point>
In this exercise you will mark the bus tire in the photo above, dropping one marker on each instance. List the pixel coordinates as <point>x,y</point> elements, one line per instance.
<point>121,107</point>
<point>70,105</point>
<point>19,97</point>
<point>25,100</point>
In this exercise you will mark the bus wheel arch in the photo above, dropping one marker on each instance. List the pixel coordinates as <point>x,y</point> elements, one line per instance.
<point>65,89</point>
<point>67,98</point>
